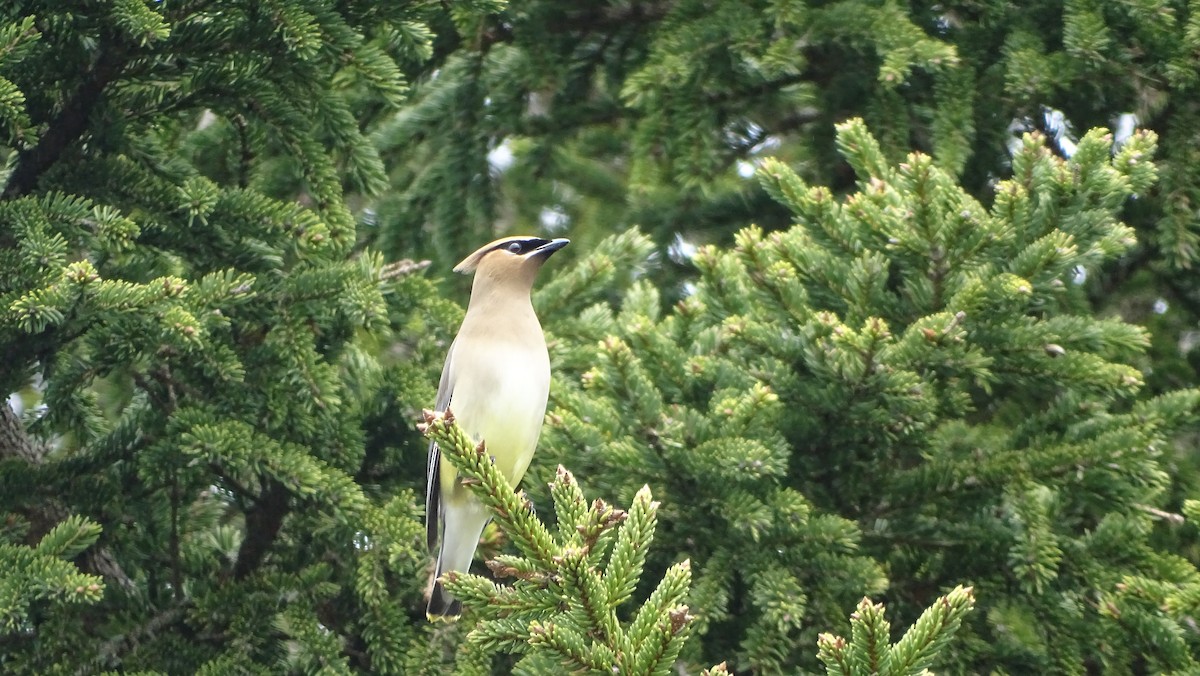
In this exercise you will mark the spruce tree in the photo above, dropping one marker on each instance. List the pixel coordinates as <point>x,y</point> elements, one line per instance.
<point>903,392</point>
<point>564,607</point>
<point>651,114</point>
<point>187,486</point>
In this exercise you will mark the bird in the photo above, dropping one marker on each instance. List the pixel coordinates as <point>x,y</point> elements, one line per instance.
<point>496,381</point>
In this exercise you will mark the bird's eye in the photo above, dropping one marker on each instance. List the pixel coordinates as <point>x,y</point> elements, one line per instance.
<point>515,247</point>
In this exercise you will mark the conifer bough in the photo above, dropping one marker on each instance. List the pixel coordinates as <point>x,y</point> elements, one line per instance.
<point>568,585</point>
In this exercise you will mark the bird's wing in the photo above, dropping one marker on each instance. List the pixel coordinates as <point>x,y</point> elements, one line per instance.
<point>433,480</point>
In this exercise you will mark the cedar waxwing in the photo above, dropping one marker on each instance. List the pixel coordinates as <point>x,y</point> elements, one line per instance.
<point>496,380</point>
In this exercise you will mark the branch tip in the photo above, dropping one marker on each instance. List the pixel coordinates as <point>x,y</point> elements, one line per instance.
<point>680,618</point>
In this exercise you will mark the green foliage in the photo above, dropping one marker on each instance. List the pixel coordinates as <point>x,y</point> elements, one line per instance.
<point>191,487</point>
<point>869,652</point>
<point>652,115</point>
<point>661,406</point>
<point>568,585</point>
<point>969,365</point>
<point>921,365</point>
<point>43,574</point>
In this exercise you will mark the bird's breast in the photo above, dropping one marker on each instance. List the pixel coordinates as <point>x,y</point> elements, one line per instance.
<point>500,398</point>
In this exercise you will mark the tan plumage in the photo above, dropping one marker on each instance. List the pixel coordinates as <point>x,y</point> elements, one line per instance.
<point>496,380</point>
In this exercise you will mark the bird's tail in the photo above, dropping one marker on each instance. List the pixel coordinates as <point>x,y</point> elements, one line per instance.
<point>442,606</point>
<point>462,525</point>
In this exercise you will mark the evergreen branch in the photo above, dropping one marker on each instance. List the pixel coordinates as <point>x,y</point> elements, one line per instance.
<point>69,538</point>
<point>402,268</point>
<point>832,651</point>
<point>662,646</point>
<point>70,124</point>
<point>915,651</point>
<point>480,474</point>
<point>263,522</point>
<point>15,442</point>
<point>570,646</point>
<point>869,650</point>
<point>569,504</point>
<point>108,653</point>
<point>597,525</point>
<point>959,476</point>
<point>868,653</point>
<point>568,608</point>
<point>629,554</point>
<point>592,596</point>
<point>664,599</point>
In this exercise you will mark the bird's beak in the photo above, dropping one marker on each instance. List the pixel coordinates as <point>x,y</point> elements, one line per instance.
<point>548,248</point>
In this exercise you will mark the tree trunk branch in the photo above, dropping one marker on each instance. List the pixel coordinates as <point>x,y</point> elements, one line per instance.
<point>15,442</point>
<point>65,128</point>
<point>263,522</point>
